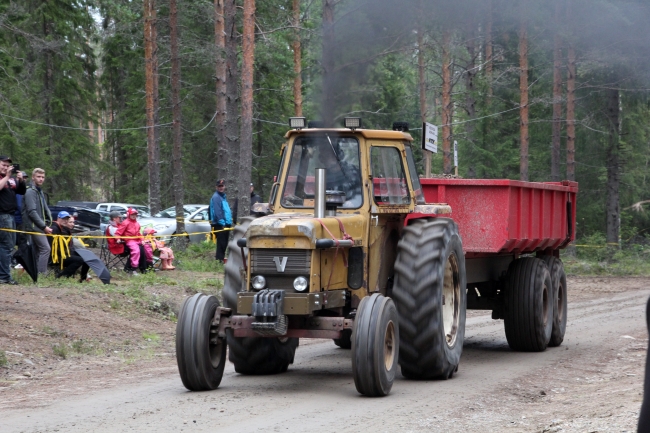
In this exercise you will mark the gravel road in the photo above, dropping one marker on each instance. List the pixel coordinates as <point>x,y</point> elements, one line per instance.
<point>593,382</point>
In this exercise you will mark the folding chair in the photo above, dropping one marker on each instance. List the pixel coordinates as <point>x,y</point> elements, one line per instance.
<point>111,260</point>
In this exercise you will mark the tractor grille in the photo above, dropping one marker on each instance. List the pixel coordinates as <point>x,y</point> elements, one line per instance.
<point>298,262</point>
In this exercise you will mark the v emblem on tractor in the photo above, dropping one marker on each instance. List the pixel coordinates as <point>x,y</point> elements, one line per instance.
<point>280,264</point>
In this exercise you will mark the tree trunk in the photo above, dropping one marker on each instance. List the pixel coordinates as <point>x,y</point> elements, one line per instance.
<point>447,107</point>
<point>329,42</point>
<point>151,96</point>
<point>220,118</point>
<point>470,74</point>
<point>612,205</point>
<point>297,61</point>
<point>231,130</point>
<point>488,49</point>
<point>177,161</point>
<point>246,136</point>
<point>557,99</point>
<point>523,105</point>
<point>422,86</point>
<point>571,115</point>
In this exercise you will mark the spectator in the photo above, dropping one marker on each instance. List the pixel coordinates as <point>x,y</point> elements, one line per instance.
<point>130,229</point>
<point>254,198</point>
<point>37,218</point>
<point>118,246</point>
<point>18,217</point>
<point>166,253</point>
<point>221,218</point>
<point>9,187</point>
<point>63,226</point>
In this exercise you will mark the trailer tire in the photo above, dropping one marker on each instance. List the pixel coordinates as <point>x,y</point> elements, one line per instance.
<point>528,315</point>
<point>200,361</point>
<point>558,280</point>
<point>251,355</point>
<point>345,342</point>
<point>375,346</point>
<point>430,267</point>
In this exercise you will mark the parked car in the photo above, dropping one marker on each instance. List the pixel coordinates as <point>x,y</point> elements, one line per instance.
<point>188,210</point>
<point>84,219</point>
<point>143,211</point>
<point>84,204</point>
<point>197,223</point>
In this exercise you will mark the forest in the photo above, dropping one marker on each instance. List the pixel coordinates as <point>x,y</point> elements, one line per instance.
<point>150,101</point>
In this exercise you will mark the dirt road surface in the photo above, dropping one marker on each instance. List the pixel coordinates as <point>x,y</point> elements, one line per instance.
<point>592,383</point>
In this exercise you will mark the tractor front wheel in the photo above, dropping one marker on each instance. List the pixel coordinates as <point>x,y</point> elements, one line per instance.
<point>201,355</point>
<point>375,346</point>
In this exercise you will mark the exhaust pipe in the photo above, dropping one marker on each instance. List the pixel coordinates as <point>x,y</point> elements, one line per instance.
<point>319,194</point>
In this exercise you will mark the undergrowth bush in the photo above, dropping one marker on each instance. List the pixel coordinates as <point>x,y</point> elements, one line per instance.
<point>595,257</point>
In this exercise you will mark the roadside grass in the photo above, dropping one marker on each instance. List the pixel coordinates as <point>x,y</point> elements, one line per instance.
<point>595,258</point>
<point>3,359</point>
<point>77,347</point>
<point>198,257</point>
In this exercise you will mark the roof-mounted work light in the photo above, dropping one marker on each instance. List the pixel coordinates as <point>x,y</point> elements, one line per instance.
<point>352,122</point>
<point>297,122</point>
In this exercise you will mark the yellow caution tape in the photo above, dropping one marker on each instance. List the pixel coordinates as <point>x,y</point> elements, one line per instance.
<point>60,248</point>
<point>116,237</point>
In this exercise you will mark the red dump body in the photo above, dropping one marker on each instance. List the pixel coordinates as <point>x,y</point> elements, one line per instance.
<point>508,216</point>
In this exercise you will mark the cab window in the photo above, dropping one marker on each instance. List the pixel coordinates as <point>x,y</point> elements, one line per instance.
<point>388,177</point>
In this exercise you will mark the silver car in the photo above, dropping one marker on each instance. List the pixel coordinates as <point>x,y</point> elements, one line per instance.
<point>197,222</point>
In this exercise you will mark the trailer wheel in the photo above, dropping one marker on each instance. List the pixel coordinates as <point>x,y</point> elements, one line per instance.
<point>251,355</point>
<point>375,346</point>
<point>558,280</point>
<point>345,342</point>
<point>201,356</point>
<point>528,316</point>
<point>430,294</point>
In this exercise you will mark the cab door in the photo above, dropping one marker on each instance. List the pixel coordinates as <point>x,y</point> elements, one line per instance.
<point>390,202</point>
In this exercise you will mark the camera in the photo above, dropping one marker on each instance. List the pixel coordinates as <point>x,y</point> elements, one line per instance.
<point>16,168</point>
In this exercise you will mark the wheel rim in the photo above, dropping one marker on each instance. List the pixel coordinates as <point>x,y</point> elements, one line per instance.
<point>546,304</point>
<point>216,352</point>
<point>451,300</point>
<point>560,301</point>
<point>389,346</point>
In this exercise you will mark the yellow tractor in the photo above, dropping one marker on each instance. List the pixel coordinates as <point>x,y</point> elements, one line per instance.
<point>346,249</point>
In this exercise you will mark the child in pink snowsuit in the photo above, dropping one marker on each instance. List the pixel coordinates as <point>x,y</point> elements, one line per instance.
<point>130,228</point>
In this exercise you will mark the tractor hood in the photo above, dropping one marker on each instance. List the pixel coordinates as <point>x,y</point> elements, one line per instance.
<point>302,230</point>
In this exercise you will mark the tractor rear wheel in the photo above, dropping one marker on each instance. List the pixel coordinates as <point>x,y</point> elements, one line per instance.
<point>558,280</point>
<point>201,355</point>
<point>345,342</point>
<point>375,346</point>
<point>430,295</point>
<point>528,315</point>
<point>251,355</point>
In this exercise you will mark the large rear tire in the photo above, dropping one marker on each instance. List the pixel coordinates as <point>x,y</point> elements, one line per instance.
<point>430,295</point>
<point>251,355</point>
<point>201,356</point>
<point>528,316</point>
<point>558,280</point>
<point>375,346</point>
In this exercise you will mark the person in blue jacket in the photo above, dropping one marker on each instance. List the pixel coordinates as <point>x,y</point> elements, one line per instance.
<point>221,218</point>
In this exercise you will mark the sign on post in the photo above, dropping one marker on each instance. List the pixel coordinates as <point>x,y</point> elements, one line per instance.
<point>430,137</point>
<point>455,153</point>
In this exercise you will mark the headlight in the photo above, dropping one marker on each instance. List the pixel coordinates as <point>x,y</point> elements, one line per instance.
<point>300,284</point>
<point>259,282</point>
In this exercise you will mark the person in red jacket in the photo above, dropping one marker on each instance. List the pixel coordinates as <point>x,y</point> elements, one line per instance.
<point>130,229</point>
<point>118,246</point>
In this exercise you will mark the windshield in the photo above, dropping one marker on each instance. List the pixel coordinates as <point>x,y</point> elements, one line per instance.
<point>143,212</point>
<point>339,156</point>
<point>170,212</point>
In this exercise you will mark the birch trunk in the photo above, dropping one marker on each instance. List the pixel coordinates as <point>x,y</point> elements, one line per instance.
<point>557,99</point>
<point>447,108</point>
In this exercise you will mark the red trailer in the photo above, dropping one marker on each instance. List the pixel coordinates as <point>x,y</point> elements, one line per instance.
<point>510,229</point>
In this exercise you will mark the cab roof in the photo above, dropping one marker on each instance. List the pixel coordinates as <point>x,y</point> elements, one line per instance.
<point>366,133</point>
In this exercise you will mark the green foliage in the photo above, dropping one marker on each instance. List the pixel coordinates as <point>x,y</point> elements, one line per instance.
<point>198,257</point>
<point>3,359</point>
<point>60,350</point>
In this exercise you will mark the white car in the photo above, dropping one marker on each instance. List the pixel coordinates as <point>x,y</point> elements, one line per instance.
<point>143,211</point>
<point>197,222</point>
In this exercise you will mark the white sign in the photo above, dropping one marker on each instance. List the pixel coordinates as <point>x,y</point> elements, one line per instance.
<point>455,153</point>
<point>430,137</point>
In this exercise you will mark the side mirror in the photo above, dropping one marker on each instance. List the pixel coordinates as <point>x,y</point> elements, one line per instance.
<point>198,217</point>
